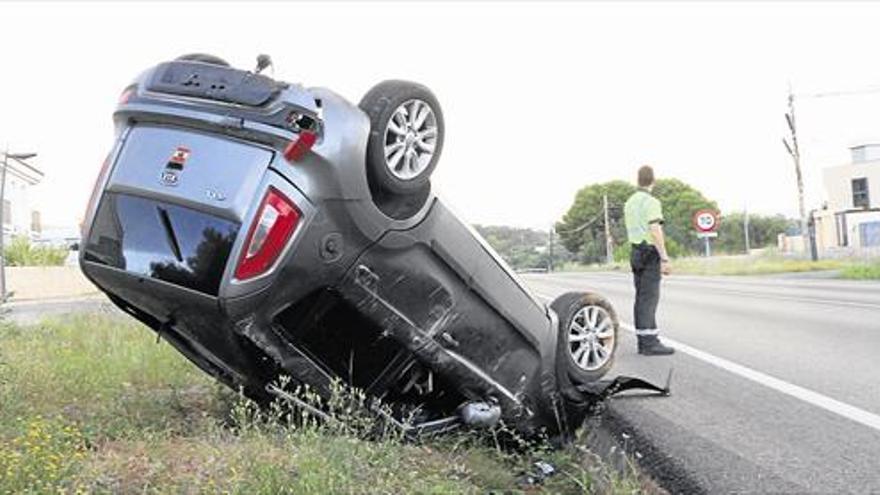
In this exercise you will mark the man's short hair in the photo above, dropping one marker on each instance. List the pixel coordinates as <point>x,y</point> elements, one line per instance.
<point>646,176</point>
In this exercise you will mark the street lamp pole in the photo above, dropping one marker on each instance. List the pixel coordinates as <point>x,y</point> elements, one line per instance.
<point>6,157</point>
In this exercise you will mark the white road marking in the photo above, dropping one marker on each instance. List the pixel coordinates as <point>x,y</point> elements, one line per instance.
<point>843,409</point>
<point>800,299</point>
<point>721,290</point>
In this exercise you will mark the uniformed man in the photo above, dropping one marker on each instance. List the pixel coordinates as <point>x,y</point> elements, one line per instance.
<point>649,261</point>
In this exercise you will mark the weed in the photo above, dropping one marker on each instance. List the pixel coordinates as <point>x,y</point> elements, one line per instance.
<point>91,403</point>
<point>862,271</point>
<point>41,456</point>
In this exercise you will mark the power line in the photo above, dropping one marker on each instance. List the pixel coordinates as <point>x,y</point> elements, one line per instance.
<point>582,226</point>
<point>853,92</point>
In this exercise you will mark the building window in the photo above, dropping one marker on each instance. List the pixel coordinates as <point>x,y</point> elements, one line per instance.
<point>860,193</point>
<point>869,234</point>
<point>7,212</point>
<point>36,224</point>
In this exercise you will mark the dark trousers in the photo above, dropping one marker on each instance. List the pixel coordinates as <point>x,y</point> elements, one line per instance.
<point>645,263</point>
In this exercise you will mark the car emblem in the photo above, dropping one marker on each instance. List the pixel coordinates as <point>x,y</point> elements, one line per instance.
<point>171,175</point>
<point>169,178</point>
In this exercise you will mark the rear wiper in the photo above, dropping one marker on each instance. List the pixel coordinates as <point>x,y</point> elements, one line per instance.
<point>169,233</point>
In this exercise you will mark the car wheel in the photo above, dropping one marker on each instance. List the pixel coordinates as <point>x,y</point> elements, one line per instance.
<point>406,135</point>
<point>587,340</point>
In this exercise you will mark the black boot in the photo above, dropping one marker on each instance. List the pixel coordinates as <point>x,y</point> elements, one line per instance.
<point>650,345</point>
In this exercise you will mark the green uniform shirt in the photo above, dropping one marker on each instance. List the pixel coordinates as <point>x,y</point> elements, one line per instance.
<point>640,211</point>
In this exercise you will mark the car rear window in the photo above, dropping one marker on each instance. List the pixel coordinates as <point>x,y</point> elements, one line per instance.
<point>164,241</point>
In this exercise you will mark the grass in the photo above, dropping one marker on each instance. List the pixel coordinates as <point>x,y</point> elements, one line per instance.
<point>755,265</point>
<point>765,264</point>
<point>92,404</point>
<point>862,271</point>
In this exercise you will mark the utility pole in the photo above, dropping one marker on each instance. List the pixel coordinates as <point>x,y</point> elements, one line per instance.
<point>795,153</point>
<point>609,245</point>
<point>576,229</point>
<point>550,262</point>
<point>746,228</point>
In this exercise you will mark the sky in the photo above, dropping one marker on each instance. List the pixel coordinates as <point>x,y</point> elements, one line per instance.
<point>540,99</point>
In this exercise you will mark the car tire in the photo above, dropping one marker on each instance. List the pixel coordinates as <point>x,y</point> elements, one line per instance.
<point>204,58</point>
<point>587,339</point>
<point>406,136</point>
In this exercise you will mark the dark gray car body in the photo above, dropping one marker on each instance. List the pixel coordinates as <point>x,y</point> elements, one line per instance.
<point>402,300</point>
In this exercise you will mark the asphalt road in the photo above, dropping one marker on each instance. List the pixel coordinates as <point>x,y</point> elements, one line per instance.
<point>776,383</point>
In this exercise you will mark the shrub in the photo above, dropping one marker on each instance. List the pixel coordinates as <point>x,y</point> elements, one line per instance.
<point>21,252</point>
<point>864,271</point>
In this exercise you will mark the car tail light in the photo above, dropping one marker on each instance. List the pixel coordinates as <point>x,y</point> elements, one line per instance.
<point>96,192</point>
<point>275,223</point>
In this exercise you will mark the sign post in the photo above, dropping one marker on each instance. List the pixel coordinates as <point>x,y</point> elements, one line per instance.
<point>706,224</point>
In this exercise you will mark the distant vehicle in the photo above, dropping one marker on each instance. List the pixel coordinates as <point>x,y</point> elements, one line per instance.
<point>267,229</point>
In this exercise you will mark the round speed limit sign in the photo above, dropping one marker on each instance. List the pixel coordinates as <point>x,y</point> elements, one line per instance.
<point>706,221</point>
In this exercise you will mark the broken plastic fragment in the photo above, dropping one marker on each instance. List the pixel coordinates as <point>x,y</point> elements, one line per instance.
<point>540,471</point>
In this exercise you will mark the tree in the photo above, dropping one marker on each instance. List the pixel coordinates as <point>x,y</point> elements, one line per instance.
<point>680,202</point>
<point>581,229</point>
<point>763,231</point>
<point>522,248</point>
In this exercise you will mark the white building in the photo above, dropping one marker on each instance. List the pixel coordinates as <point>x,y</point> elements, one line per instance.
<point>20,217</point>
<point>851,217</point>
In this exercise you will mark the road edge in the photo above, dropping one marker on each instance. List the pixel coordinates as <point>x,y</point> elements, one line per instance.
<point>621,445</point>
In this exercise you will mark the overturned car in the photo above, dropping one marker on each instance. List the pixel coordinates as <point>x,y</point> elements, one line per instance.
<point>265,229</point>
